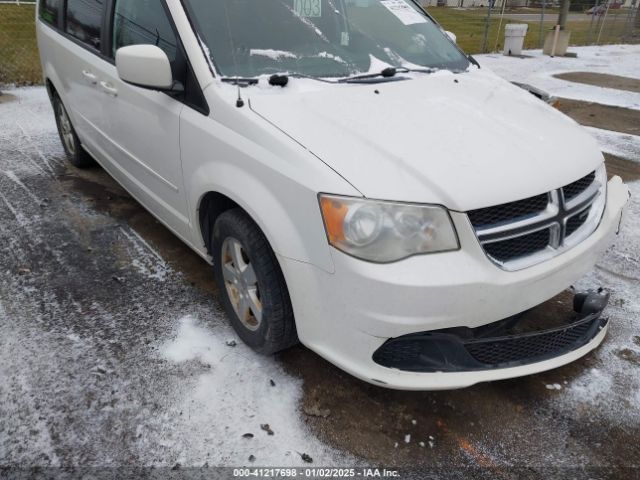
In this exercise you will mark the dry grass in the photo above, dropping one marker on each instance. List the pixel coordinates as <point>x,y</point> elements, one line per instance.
<point>19,61</point>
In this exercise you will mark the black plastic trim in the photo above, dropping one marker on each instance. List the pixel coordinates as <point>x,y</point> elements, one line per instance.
<point>456,349</point>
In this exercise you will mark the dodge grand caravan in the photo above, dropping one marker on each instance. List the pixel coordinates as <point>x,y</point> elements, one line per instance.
<point>359,184</point>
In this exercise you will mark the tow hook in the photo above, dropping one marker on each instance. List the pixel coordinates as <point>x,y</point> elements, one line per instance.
<point>590,301</point>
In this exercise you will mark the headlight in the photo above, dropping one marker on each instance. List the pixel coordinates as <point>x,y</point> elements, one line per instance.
<point>386,231</point>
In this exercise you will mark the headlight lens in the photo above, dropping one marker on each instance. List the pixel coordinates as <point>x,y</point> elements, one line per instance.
<point>386,231</point>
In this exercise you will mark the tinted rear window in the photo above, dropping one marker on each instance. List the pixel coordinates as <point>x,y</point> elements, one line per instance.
<point>50,11</point>
<point>84,21</point>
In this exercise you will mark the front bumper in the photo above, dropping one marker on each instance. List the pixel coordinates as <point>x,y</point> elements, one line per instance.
<point>499,345</point>
<point>348,315</point>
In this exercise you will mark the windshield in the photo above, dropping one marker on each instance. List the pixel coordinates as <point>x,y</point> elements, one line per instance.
<point>320,38</point>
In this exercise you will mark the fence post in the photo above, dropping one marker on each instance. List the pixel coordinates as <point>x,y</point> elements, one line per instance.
<point>486,27</point>
<point>544,2</point>
<point>593,15</point>
<point>504,4</point>
<point>602,24</point>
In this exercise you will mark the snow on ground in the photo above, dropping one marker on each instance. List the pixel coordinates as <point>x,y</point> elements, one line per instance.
<point>618,144</point>
<point>107,355</point>
<point>238,393</point>
<point>613,383</point>
<point>538,70</point>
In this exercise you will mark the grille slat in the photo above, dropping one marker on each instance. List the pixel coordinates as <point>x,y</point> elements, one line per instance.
<point>508,212</point>
<point>516,243</point>
<point>575,222</point>
<point>520,246</point>
<point>576,188</point>
<point>492,353</point>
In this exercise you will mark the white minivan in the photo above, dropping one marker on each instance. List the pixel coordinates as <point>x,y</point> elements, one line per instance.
<point>359,184</point>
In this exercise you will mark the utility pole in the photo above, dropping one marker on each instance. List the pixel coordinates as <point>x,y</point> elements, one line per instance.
<point>564,13</point>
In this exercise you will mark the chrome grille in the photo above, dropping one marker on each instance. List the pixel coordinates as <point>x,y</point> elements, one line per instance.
<point>520,234</point>
<point>576,188</point>
<point>519,246</point>
<point>509,211</point>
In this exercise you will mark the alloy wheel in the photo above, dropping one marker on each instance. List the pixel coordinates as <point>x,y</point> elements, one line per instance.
<point>66,132</point>
<point>241,284</point>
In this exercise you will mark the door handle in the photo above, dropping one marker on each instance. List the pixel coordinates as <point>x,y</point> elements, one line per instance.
<point>90,76</point>
<point>109,88</point>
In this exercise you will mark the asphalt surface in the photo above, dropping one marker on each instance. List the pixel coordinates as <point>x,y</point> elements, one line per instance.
<point>114,351</point>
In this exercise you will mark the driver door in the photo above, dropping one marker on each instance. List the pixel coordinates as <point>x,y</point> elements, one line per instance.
<point>143,127</point>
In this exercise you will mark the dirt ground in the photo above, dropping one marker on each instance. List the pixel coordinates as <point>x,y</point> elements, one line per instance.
<point>602,80</point>
<point>616,119</point>
<point>6,98</point>
<point>511,429</point>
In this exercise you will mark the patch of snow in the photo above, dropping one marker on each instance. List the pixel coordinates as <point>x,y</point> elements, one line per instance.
<point>231,396</point>
<point>331,56</point>
<point>618,144</point>
<point>272,54</point>
<point>538,70</point>
<point>146,260</point>
<point>376,65</point>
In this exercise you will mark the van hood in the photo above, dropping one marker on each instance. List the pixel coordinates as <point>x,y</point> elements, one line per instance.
<point>464,141</point>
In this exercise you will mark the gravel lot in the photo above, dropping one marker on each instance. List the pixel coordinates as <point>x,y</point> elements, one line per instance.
<point>114,350</point>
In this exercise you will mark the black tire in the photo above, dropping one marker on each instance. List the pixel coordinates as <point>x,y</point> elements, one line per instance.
<point>276,329</point>
<point>70,141</point>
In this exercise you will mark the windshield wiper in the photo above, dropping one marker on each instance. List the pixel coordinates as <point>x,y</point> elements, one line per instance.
<point>277,79</point>
<point>244,81</point>
<point>388,72</point>
<point>385,73</point>
<point>282,79</point>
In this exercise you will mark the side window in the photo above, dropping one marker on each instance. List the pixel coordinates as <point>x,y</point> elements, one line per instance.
<point>50,11</point>
<point>143,22</point>
<point>84,21</point>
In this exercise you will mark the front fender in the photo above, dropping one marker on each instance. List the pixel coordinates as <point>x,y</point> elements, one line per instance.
<point>271,177</point>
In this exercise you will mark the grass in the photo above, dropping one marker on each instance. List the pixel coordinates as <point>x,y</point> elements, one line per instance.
<point>19,62</point>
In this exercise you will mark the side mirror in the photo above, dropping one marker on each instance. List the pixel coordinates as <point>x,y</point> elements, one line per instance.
<point>145,66</point>
<point>452,36</point>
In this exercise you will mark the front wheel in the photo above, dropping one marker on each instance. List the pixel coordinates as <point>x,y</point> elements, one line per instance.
<point>70,141</point>
<point>252,285</point>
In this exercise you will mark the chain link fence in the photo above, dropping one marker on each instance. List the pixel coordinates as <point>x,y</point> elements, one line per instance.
<point>478,24</point>
<point>19,62</point>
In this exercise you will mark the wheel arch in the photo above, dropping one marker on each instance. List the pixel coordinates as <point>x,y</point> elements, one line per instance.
<point>291,231</point>
<point>212,204</point>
